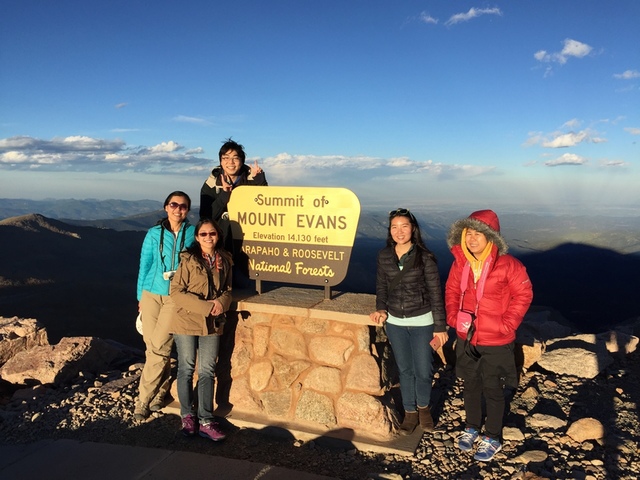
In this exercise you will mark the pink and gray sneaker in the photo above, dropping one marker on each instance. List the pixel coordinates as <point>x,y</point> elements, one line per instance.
<point>189,425</point>
<point>212,431</point>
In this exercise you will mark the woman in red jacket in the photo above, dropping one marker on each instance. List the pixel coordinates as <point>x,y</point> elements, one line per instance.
<point>487,295</point>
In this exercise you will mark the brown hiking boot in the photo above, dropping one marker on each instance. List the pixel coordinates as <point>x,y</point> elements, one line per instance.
<point>426,420</point>
<point>409,423</point>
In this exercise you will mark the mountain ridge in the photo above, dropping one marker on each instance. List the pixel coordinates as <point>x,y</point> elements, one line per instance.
<point>49,267</point>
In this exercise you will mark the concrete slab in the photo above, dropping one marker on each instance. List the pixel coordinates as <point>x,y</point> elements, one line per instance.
<point>67,459</point>
<point>339,438</point>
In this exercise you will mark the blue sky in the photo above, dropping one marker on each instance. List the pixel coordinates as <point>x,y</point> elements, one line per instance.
<point>528,104</point>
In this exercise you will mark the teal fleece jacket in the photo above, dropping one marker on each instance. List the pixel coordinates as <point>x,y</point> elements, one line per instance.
<point>155,260</point>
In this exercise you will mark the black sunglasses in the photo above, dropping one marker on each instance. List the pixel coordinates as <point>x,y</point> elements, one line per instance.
<point>181,206</point>
<point>404,212</point>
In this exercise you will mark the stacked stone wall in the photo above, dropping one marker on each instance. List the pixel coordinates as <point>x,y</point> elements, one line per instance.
<point>299,366</point>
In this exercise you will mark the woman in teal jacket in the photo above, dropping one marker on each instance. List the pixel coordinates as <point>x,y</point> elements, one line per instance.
<point>158,262</point>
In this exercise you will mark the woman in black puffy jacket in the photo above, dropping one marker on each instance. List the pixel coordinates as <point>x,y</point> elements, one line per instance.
<point>409,303</point>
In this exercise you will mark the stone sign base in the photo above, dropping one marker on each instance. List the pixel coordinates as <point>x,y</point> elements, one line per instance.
<point>295,362</point>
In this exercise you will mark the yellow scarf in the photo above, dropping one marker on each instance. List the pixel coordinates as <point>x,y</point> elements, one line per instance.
<point>476,263</point>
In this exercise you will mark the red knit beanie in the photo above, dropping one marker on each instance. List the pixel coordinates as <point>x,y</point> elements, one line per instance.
<point>487,217</point>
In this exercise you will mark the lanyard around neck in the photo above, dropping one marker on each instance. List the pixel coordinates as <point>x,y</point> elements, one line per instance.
<point>464,281</point>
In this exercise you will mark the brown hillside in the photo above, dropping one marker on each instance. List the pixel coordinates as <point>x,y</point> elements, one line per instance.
<point>76,280</point>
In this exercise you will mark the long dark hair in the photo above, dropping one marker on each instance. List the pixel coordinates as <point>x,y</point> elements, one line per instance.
<point>196,250</point>
<point>416,236</point>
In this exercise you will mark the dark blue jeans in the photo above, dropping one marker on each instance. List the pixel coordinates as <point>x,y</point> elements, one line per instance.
<point>206,347</point>
<point>414,358</point>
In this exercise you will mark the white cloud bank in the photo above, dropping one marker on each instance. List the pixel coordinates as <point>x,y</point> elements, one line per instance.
<point>81,153</point>
<point>86,154</point>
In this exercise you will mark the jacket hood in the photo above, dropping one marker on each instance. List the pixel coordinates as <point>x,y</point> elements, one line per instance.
<point>484,221</point>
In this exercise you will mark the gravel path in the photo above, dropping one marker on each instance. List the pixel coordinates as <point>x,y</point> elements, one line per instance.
<point>100,409</point>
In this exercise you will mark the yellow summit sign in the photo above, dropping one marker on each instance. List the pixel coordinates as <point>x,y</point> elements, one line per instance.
<point>295,234</point>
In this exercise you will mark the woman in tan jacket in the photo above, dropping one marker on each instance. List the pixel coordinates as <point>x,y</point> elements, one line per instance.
<point>201,290</point>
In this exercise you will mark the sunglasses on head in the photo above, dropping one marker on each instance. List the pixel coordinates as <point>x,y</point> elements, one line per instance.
<point>399,211</point>
<point>207,234</point>
<point>181,206</point>
<point>402,212</point>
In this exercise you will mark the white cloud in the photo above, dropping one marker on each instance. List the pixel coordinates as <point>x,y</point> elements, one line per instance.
<point>570,139</point>
<point>170,146</point>
<point>424,17</point>
<point>563,139</point>
<point>121,105</point>
<point>573,123</point>
<point>471,14</point>
<point>627,75</point>
<point>566,159</point>
<point>124,130</point>
<point>613,121</point>
<point>574,48</point>
<point>571,48</point>
<point>195,120</point>
<point>13,157</point>
<point>613,164</point>
<point>632,130</point>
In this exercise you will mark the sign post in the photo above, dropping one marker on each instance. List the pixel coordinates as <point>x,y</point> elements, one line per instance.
<point>295,234</point>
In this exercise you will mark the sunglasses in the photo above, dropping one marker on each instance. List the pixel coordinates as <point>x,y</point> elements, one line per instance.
<point>207,234</point>
<point>399,211</point>
<point>181,206</point>
<point>402,212</point>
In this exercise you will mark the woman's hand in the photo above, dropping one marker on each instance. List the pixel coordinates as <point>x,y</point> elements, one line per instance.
<point>439,339</point>
<point>379,316</point>
<point>217,307</point>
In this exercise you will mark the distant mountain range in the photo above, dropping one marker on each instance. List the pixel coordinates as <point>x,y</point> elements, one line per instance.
<point>86,209</point>
<point>78,276</point>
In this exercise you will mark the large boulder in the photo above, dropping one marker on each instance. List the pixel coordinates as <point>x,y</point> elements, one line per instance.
<point>18,335</point>
<point>583,356</point>
<point>60,364</point>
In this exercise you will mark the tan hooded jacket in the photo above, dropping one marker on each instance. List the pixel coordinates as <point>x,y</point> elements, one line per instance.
<point>190,291</point>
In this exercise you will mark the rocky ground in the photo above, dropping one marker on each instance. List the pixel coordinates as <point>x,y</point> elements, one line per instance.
<point>99,409</point>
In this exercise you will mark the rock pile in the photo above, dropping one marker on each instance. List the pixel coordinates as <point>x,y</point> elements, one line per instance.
<point>564,424</point>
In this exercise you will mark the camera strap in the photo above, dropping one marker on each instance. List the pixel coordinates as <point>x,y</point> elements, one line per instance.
<point>183,229</point>
<point>469,348</point>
